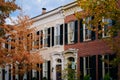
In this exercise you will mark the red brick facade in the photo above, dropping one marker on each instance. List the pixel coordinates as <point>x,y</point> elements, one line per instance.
<point>96,47</point>
<point>87,48</point>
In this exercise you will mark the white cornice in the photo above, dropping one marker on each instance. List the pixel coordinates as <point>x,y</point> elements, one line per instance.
<point>67,6</point>
<point>59,10</point>
<point>53,16</point>
<point>47,14</point>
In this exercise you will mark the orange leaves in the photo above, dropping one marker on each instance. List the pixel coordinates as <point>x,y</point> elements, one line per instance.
<point>6,7</point>
<point>18,47</point>
<point>35,58</point>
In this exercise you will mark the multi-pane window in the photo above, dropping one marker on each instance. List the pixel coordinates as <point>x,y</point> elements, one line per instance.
<point>105,30</point>
<point>57,34</point>
<point>45,37</point>
<point>29,41</point>
<point>71,32</point>
<point>86,29</point>
<point>37,40</point>
<point>46,70</point>
<point>41,38</point>
<point>88,67</point>
<point>105,68</point>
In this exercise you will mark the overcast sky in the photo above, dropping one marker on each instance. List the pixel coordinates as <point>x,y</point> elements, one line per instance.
<point>33,8</point>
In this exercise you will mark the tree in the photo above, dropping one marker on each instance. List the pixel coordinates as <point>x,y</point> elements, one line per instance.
<point>18,51</point>
<point>16,42</point>
<point>101,11</point>
<point>6,7</point>
<point>69,73</point>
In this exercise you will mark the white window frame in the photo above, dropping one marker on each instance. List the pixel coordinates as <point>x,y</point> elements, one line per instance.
<point>71,29</point>
<point>45,69</point>
<point>45,37</point>
<point>86,31</point>
<point>103,65</point>
<point>107,22</point>
<point>57,35</point>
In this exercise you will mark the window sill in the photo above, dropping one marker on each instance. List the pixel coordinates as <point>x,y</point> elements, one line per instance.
<point>105,36</point>
<point>86,40</point>
<point>44,48</point>
<point>56,46</point>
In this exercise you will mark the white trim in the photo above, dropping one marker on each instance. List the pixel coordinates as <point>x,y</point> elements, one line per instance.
<point>57,35</point>
<point>84,30</point>
<point>103,28</point>
<point>84,66</point>
<point>71,29</point>
<point>103,67</point>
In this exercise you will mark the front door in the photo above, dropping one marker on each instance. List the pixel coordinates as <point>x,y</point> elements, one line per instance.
<point>58,72</point>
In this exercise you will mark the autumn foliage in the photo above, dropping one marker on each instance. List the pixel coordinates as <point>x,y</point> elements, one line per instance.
<point>6,7</point>
<point>17,49</point>
<point>101,10</point>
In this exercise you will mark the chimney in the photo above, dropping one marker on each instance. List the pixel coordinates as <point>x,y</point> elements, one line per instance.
<point>43,10</point>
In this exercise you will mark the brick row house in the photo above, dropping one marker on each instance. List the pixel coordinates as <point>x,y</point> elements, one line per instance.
<point>66,42</point>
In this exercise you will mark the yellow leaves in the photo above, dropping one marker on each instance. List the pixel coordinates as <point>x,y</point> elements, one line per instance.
<point>98,8</point>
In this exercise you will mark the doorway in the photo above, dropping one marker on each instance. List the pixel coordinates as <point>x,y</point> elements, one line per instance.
<point>58,72</point>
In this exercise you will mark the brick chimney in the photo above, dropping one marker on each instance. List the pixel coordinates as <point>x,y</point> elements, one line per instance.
<point>43,10</point>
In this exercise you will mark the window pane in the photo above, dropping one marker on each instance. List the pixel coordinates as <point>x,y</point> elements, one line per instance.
<point>86,27</point>
<point>57,34</point>
<point>71,32</point>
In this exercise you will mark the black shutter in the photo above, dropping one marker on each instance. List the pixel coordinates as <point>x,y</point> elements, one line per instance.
<point>66,33</point>
<point>41,38</point>
<point>37,40</point>
<point>100,33</point>
<point>52,36</point>
<point>38,33</point>
<point>29,75</point>
<point>76,32</point>
<point>92,17</point>
<point>10,72</point>
<point>61,34</point>
<point>3,74</point>
<point>81,68</point>
<point>6,45</point>
<point>41,72</point>
<point>113,22</point>
<point>114,69</point>
<point>49,70</point>
<point>48,40</point>
<point>115,33</point>
<point>99,67</point>
<point>92,61</point>
<point>81,30</point>
<point>93,34</point>
<point>38,72</point>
